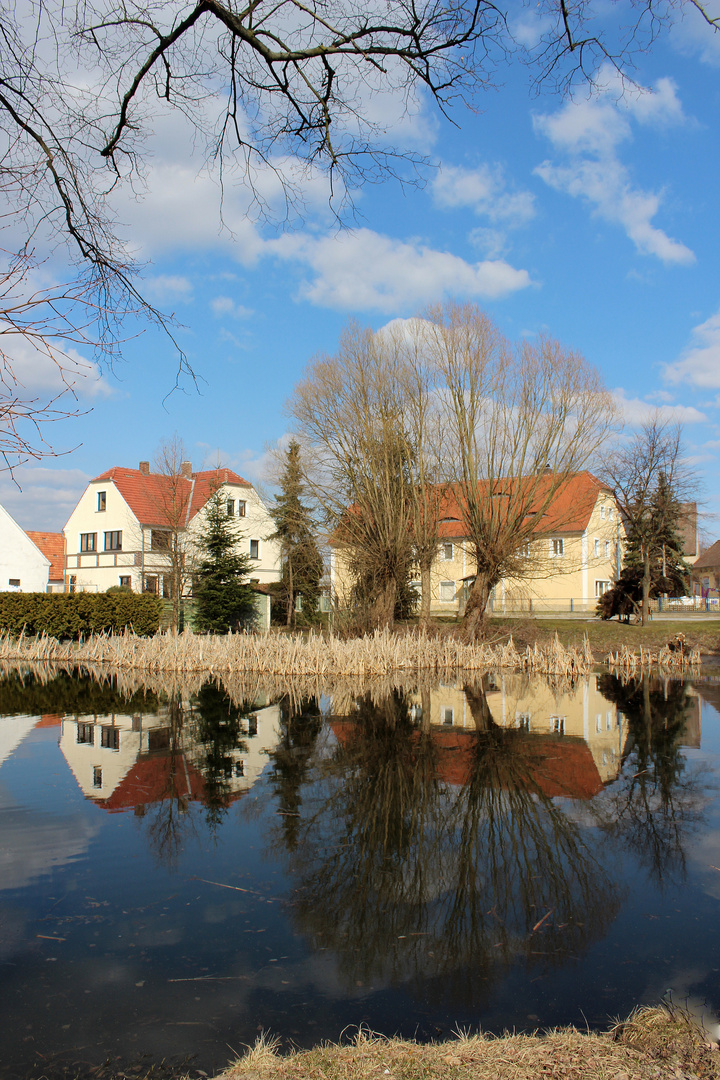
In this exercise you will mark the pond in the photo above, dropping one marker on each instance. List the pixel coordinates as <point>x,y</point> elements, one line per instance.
<point>184,867</point>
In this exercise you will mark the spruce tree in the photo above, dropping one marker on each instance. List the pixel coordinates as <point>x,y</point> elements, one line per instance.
<point>654,556</point>
<point>223,600</point>
<point>302,564</point>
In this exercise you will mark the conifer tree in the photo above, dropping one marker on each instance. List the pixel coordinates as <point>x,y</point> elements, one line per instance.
<point>223,600</point>
<point>302,565</point>
<point>654,555</point>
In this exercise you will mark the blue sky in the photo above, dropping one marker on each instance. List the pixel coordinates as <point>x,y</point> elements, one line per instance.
<point>595,219</point>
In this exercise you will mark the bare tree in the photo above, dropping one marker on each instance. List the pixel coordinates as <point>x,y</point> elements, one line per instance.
<point>173,504</point>
<point>521,419</point>
<point>365,461</point>
<point>650,480</point>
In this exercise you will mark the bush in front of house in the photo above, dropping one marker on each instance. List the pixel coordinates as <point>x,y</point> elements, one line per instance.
<point>76,615</point>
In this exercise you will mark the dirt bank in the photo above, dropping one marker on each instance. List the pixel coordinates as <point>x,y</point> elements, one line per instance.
<point>651,1045</point>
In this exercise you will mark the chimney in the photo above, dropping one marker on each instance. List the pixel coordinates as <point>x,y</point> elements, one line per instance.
<point>145,468</point>
<point>186,470</point>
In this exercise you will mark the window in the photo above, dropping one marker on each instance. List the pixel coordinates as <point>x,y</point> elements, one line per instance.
<point>15,581</point>
<point>522,721</point>
<point>113,541</point>
<point>102,500</point>
<point>447,591</point>
<point>231,508</point>
<point>88,541</point>
<point>610,513</point>
<point>125,581</point>
<point>607,549</point>
<point>159,540</point>
<point>252,725</point>
<point>150,585</point>
<point>525,549</point>
<point>557,547</point>
<point>602,511</point>
<point>254,549</point>
<point>447,715</point>
<point>601,587</point>
<point>110,738</point>
<point>298,602</point>
<point>598,722</point>
<point>597,549</point>
<point>325,604</point>
<point>97,776</point>
<point>558,724</point>
<point>241,507</point>
<point>239,768</point>
<point>446,552</point>
<point>85,733</point>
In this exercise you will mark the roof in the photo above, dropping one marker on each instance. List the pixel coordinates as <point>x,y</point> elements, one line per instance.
<point>154,779</point>
<point>709,558</point>
<point>150,495</point>
<point>52,546</point>
<point>569,510</point>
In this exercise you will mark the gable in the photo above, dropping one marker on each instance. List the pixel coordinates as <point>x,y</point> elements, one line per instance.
<point>150,496</point>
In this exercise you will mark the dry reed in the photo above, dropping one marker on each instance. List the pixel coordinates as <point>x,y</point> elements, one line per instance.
<point>315,657</point>
<point>673,658</point>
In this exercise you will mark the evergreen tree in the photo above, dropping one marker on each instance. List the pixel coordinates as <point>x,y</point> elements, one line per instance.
<point>223,601</point>
<point>653,555</point>
<point>302,565</point>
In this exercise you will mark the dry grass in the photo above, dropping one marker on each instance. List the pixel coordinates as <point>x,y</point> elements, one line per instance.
<point>651,1045</point>
<point>279,655</point>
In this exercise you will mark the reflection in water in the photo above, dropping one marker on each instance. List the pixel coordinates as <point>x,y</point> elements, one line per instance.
<point>440,847</point>
<point>422,855</point>
<point>657,802</point>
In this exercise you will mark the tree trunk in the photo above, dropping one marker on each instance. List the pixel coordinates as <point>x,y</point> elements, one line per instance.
<point>646,586</point>
<point>382,611</point>
<point>479,708</point>
<point>474,618</point>
<point>290,593</point>
<point>424,595</point>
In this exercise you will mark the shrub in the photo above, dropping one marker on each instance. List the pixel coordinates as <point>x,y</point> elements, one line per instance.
<point>75,615</point>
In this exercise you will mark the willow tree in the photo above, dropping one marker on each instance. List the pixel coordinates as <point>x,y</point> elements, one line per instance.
<point>520,420</point>
<point>361,416</point>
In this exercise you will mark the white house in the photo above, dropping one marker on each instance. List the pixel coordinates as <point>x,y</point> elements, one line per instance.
<point>120,530</point>
<point>23,567</point>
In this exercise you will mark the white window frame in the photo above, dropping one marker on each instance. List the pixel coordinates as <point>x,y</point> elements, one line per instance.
<point>557,547</point>
<point>444,547</point>
<point>443,588</point>
<point>602,587</point>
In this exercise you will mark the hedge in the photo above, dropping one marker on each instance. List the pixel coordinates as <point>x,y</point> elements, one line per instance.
<point>76,615</point>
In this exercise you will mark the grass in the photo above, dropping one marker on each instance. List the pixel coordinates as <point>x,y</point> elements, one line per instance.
<point>610,635</point>
<point>653,1044</point>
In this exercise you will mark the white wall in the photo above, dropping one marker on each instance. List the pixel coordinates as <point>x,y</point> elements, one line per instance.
<point>20,559</point>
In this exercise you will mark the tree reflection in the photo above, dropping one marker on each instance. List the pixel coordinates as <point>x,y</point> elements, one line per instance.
<point>656,803</point>
<point>168,818</point>
<point>291,762</point>
<point>425,852</point>
<point>218,735</point>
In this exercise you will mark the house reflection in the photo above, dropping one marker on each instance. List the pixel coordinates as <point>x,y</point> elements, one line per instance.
<point>127,762</point>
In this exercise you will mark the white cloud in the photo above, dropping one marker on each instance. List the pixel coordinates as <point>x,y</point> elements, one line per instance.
<point>167,287</point>
<point>484,190</point>
<point>637,411</point>
<point>363,270</point>
<point>692,34</point>
<point>50,370</point>
<point>589,133</point>
<point>225,305</point>
<point>41,497</point>
<point>699,364</point>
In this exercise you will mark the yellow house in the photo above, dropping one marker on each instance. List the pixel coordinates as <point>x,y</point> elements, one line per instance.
<point>576,557</point>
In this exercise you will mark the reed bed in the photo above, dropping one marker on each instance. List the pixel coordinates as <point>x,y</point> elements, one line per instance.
<point>673,658</point>
<point>315,656</point>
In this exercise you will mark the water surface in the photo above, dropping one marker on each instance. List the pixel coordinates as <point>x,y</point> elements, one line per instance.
<point>181,870</point>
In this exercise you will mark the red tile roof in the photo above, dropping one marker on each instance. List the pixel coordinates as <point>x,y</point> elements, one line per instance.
<point>568,512</point>
<point>150,495</point>
<point>709,558</point>
<point>154,779</point>
<point>52,546</point>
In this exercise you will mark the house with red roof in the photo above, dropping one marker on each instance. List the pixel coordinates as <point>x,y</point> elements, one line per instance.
<point>575,556</point>
<point>24,567</point>
<point>120,531</point>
